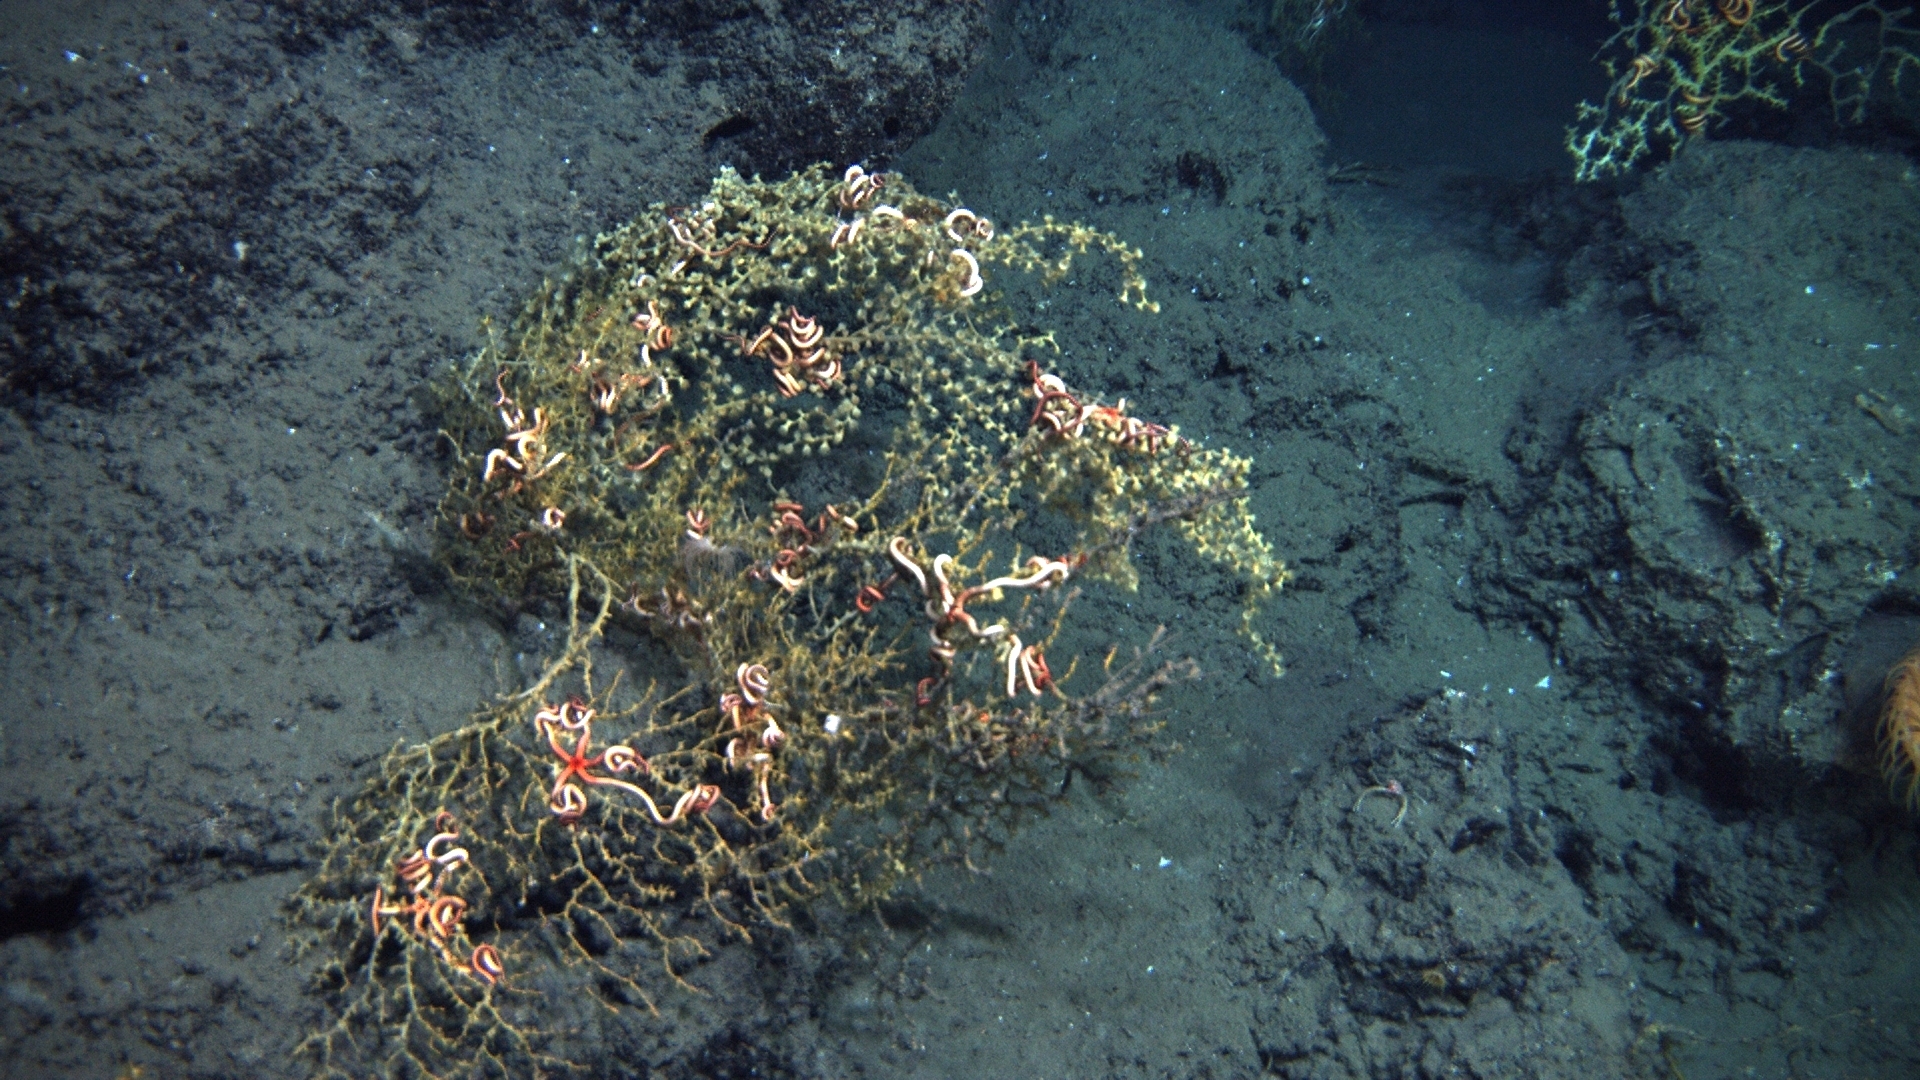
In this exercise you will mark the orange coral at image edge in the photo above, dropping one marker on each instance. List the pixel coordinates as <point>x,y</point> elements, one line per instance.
<point>1900,728</point>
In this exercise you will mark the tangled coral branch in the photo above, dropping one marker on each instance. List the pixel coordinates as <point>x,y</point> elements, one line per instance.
<point>811,737</point>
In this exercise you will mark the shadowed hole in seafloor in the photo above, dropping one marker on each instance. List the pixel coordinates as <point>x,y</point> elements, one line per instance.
<point>51,908</point>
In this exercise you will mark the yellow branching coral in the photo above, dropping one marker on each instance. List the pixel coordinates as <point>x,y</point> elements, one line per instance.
<point>1676,65</point>
<point>786,444</point>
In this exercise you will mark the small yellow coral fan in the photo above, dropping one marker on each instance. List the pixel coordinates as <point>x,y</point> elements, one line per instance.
<point>1900,727</point>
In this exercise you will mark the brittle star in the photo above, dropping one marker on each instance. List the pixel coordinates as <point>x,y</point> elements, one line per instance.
<point>1391,788</point>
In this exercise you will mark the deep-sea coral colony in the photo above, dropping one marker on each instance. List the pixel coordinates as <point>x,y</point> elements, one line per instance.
<point>837,707</point>
<point>1676,65</point>
<point>1900,729</point>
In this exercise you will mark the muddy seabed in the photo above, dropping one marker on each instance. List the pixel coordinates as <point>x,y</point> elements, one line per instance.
<point>1603,505</point>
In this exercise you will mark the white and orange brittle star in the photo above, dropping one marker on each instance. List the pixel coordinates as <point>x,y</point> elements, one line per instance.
<point>568,800</point>
<point>437,917</point>
<point>948,609</point>
<point>1391,789</point>
<point>749,706</point>
<point>528,441</point>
